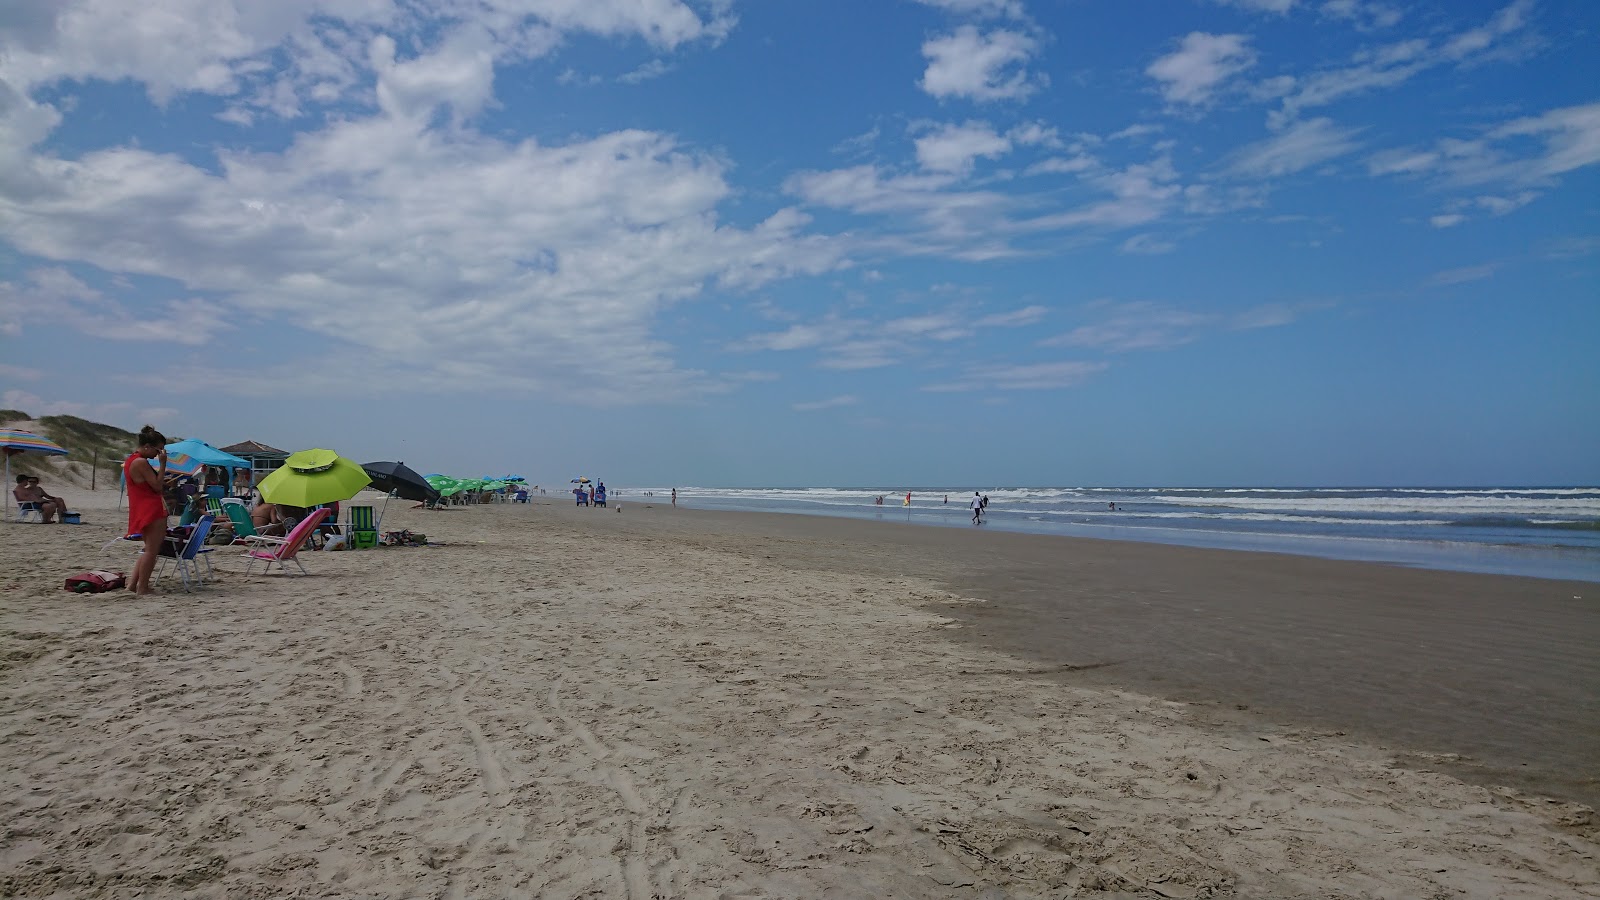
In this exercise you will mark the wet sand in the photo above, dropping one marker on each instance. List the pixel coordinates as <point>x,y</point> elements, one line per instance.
<point>1503,672</point>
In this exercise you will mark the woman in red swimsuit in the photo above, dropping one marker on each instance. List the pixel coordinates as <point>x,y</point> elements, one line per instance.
<point>147,511</point>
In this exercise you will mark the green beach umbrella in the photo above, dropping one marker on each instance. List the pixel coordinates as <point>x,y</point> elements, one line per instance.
<point>314,477</point>
<point>444,484</point>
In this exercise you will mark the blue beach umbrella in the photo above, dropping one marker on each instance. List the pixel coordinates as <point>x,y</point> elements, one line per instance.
<point>206,454</point>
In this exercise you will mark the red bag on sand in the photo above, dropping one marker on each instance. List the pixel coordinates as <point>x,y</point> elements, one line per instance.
<point>96,582</point>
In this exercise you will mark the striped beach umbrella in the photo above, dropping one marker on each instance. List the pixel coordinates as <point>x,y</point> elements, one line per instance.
<point>16,442</point>
<point>180,463</point>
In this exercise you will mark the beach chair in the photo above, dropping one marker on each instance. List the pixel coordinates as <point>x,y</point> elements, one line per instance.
<point>362,534</point>
<point>214,507</point>
<point>285,550</point>
<point>28,508</point>
<point>186,559</point>
<point>244,530</point>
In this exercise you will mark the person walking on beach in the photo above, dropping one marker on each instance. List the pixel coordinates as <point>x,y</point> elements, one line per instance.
<point>674,496</point>
<point>977,508</point>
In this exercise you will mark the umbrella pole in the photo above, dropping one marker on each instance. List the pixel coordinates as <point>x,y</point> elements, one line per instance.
<point>378,525</point>
<point>8,484</point>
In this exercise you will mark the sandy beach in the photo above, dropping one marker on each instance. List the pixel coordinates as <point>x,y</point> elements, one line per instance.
<point>657,702</point>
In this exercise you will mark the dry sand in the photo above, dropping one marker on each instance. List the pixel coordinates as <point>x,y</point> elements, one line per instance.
<point>653,703</point>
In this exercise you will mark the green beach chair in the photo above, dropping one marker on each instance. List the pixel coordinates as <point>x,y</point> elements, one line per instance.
<point>363,532</point>
<point>244,530</point>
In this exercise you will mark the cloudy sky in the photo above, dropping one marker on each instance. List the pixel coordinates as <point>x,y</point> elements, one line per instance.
<point>869,242</point>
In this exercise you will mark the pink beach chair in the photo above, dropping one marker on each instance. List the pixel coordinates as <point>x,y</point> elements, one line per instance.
<point>286,549</point>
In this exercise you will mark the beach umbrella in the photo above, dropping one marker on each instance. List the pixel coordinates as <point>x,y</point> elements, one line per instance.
<point>400,480</point>
<point>206,454</point>
<point>580,481</point>
<point>396,479</point>
<point>313,477</point>
<point>16,442</point>
<point>444,484</point>
<point>180,463</point>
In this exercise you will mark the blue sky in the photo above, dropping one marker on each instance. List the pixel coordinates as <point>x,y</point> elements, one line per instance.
<point>876,242</point>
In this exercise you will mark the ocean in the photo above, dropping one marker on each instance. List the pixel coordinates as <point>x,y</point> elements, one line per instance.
<point>1548,532</point>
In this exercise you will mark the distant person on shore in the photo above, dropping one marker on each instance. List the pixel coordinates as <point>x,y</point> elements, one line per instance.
<point>977,508</point>
<point>600,494</point>
<point>674,496</point>
<point>946,499</point>
<point>147,508</point>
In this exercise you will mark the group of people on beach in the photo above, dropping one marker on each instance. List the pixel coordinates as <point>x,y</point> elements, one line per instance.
<point>49,505</point>
<point>590,495</point>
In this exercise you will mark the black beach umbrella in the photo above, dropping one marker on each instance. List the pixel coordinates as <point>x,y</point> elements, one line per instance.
<point>399,479</point>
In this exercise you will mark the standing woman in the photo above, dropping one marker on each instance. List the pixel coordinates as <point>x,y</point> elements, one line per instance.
<point>147,511</point>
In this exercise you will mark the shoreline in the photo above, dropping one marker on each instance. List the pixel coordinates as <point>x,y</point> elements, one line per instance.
<point>1555,561</point>
<point>657,702</point>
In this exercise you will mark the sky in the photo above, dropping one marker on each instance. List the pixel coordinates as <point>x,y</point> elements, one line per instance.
<point>817,242</point>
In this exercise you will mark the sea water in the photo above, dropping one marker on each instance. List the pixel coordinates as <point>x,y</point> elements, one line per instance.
<point>1550,532</point>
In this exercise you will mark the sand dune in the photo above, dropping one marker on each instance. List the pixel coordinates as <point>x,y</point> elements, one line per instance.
<point>565,703</point>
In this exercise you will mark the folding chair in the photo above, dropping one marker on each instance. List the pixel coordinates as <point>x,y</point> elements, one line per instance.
<point>185,560</point>
<point>363,532</point>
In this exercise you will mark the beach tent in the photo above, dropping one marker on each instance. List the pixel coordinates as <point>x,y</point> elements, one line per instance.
<point>16,442</point>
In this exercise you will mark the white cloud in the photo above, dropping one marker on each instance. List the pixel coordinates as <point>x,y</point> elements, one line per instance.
<point>1394,64</point>
<point>1508,20</point>
<point>1463,275</point>
<point>980,66</point>
<point>55,297</point>
<point>1401,162</point>
<point>1032,377</point>
<point>830,403</point>
<point>463,245</point>
<point>953,148</point>
<point>1201,65</point>
<point>655,68</point>
<point>1139,193</point>
<point>231,48</point>
<point>1267,6</point>
<point>20,373</point>
<point>980,8</point>
<point>1364,14</point>
<point>1027,315</point>
<point>1571,137</point>
<point>1061,165</point>
<point>113,412</point>
<point>1294,148</point>
<point>847,343</point>
<point>1154,326</point>
<point>1147,244</point>
<point>1517,158</point>
<point>459,74</point>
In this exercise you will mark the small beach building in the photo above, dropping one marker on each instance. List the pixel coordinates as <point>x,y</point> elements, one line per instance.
<point>263,459</point>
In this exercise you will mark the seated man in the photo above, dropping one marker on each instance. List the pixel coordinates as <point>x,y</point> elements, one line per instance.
<point>29,491</point>
<point>265,516</point>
